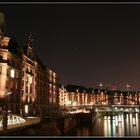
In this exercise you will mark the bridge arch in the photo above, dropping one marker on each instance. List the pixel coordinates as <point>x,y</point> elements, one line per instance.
<point>12,119</point>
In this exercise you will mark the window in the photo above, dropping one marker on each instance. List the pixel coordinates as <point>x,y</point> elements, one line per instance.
<point>26,80</point>
<point>31,89</point>
<point>17,64</point>
<point>26,109</point>
<point>22,73</point>
<point>22,83</point>
<point>12,74</point>
<point>7,72</point>
<point>13,62</point>
<point>30,80</point>
<point>22,92</point>
<point>1,58</point>
<point>8,61</point>
<point>50,79</point>
<point>12,84</point>
<point>7,84</point>
<point>54,81</point>
<point>26,89</point>
<point>0,69</point>
<point>17,74</point>
<point>16,85</point>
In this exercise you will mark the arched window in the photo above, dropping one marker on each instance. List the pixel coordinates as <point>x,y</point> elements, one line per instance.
<point>31,71</point>
<point>27,69</point>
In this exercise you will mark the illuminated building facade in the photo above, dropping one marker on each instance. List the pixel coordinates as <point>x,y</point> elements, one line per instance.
<point>26,85</point>
<point>10,72</point>
<point>73,95</point>
<point>52,108</point>
<point>28,82</point>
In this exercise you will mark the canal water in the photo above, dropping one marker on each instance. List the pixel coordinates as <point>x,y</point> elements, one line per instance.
<point>106,125</point>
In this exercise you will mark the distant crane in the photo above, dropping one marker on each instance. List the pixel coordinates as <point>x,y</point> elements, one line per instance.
<point>112,87</point>
<point>127,87</point>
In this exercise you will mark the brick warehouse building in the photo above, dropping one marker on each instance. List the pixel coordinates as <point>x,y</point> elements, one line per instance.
<point>27,86</point>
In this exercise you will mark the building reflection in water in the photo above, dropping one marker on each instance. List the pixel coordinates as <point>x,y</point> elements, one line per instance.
<point>83,132</point>
<point>120,125</point>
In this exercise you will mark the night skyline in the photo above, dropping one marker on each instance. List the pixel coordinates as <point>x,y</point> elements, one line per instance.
<point>84,44</point>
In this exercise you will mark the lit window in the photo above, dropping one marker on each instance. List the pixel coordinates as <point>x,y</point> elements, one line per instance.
<point>54,80</point>
<point>26,109</point>
<point>50,71</point>
<point>26,79</point>
<point>12,73</point>
<point>30,80</point>
<point>54,74</point>
<point>53,92</point>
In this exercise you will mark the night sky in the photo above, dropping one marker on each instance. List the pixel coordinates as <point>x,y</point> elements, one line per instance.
<point>85,44</point>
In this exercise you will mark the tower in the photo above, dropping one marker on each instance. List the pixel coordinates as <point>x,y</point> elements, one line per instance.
<point>3,24</point>
<point>29,49</point>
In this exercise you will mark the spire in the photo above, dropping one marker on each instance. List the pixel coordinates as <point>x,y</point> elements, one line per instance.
<point>62,86</point>
<point>30,40</point>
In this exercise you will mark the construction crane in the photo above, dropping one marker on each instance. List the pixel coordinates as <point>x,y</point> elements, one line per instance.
<point>113,87</point>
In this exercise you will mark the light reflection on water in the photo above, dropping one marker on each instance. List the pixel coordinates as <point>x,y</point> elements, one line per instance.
<point>117,125</point>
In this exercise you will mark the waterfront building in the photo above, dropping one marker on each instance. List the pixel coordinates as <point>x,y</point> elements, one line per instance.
<point>10,72</point>
<point>73,95</point>
<point>28,70</point>
<point>27,86</point>
<point>52,108</point>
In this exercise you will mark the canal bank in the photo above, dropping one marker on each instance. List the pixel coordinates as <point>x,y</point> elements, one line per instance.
<point>70,123</point>
<point>63,125</point>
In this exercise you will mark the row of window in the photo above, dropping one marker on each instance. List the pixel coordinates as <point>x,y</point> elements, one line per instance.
<point>12,85</point>
<point>10,72</point>
<point>13,63</point>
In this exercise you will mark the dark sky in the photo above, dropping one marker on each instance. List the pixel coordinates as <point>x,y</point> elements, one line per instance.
<point>84,43</point>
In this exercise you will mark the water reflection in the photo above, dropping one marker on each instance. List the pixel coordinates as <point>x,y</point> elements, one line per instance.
<point>125,124</point>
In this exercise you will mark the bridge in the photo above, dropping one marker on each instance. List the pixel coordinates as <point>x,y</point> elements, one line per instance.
<point>112,103</point>
<point>16,122</point>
